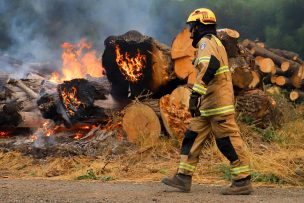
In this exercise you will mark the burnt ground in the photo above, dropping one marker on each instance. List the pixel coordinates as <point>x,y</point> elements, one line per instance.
<point>41,190</point>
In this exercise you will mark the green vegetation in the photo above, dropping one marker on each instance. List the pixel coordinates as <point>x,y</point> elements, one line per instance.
<point>225,171</point>
<point>163,171</point>
<point>90,175</point>
<point>255,176</point>
<point>266,178</point>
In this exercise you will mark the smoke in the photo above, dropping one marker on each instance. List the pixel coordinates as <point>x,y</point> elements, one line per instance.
<point>37,28</point>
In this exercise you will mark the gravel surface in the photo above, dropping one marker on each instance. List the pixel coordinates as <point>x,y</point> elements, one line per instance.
<point>20,190</point>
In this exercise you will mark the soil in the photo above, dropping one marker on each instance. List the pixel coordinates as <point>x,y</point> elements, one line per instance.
<point>41,190</point>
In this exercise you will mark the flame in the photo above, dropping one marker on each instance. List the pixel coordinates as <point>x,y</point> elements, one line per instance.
<point>33,138</point>
<point>77,64</point>
<point>70,101</point>
<point>83,129</point>
<point>131,68</point>
<point>78,136</point>
<point>4,134</point>
<point>49,128</point>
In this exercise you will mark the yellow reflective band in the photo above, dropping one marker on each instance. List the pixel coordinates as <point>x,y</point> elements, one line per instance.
<point>217,111</point>
<point>218,42</point>
<point>186,166</point>
<point>199,89</point>
<point>241,169</point>
<point>222,69</point>
<point>205,59</point>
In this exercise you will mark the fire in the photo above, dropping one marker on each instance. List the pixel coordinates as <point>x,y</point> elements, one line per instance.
<point>49,128</point>
<point>78,136</point>
<point>130,67</point>
<point>4,134</point>
<point>82,130</point>
<point>71,101</point>
<point>33,138</point>
<point>78,60</point>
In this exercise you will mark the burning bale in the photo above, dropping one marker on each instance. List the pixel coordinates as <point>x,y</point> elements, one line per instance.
<point>135,63</point>
<point>73,102</point>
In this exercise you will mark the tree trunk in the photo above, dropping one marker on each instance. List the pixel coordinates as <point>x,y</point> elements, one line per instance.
<point>241,72</point>
<point>135,63</point>
<point>23,87</point>
<point>286,54</point>
<point>283,82</point>
<point>258,108</point>
<point>183,53</point>
<point>229,39</point>
<point>73,102</point>
<point>259,51</point>
<point>31,120</point>
<point>174,112</point>
<point>141,124</point>
<point>266,65</point>
<point>296,95</point>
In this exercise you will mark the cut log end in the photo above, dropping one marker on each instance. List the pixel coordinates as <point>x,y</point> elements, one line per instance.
<point>282,81</point>
<point>273,79</point>
<point>231,33</point>
<point>285,66</point>
<point>266,65</point>
<point>294,95</point>
<point>141,124</point>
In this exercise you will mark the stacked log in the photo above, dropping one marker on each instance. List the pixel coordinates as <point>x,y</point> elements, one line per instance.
<point>287,68</point>
<point>18,106</point>
<point>163,70</point>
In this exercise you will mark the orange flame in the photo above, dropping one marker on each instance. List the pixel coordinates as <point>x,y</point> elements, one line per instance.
<point>77,64</point>
<point>4,134</point>
<point>70,101</point>
<point>83,129</point>
<point>78,136</point>
<point>33,138</point>
<point>131,68</point>
<point>49,129</point>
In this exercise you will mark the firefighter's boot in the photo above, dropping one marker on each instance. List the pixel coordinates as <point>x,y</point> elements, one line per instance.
<point>239,187</point>
<point>180,181</point>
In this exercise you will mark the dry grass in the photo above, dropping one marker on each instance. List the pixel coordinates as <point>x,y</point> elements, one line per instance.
<point>275,156</point>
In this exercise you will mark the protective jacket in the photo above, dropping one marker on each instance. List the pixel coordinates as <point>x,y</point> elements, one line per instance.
<point>214,80</point>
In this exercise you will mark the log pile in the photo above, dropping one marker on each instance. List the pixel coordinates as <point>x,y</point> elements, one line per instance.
<point>18,99</point>
<point>146,80</point>
<point>279,67</point>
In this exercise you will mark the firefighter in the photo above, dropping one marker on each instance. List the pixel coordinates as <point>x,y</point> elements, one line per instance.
<point>211,104</point>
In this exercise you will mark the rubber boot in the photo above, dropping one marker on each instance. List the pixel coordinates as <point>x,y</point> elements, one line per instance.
<point>180,181</point>
<point>239,187</point>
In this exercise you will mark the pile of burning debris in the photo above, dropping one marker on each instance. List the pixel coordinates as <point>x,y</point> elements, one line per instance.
<point>75,111</point>
<point>135,93</point>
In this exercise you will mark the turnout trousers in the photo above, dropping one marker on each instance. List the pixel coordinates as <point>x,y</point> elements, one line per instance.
<point>228,140</point>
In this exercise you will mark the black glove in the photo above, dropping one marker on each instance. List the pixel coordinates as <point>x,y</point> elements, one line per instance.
<point>194,104</point>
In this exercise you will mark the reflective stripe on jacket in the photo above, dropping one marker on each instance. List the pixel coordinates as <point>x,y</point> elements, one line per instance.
<point>218,96</point>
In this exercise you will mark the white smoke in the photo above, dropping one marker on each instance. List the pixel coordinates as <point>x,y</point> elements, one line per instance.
<point>38,27</point>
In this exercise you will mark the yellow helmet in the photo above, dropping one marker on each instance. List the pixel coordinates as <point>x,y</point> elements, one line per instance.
<point>203,15</point>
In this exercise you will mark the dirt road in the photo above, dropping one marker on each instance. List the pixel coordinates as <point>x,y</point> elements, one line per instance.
<point>16,190</point>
